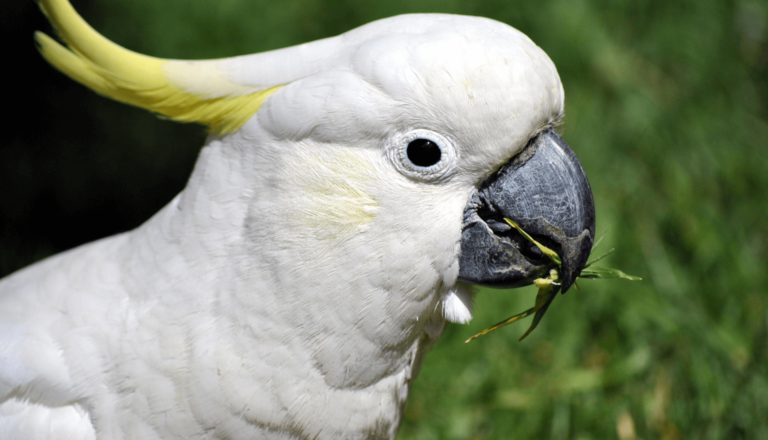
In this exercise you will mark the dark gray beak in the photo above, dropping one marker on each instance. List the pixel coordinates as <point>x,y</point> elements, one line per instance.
<point>545,191</point>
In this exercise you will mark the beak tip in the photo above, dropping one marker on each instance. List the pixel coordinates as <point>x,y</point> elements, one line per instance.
<point>577,254</point>
<point>566,282</point>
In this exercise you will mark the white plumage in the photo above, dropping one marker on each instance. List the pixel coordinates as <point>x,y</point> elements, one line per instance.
<point>293,287</point>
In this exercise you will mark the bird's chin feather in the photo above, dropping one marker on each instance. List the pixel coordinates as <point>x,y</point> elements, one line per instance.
<point>457,305</point>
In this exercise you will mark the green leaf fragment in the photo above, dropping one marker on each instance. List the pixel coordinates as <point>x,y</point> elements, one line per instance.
<point>545,296</point>
<point>549,297</point>
<point>548,287</point>
<point>597,243</point>
<point>507,321</point>
<point>547,251</point>
<point>598,258</point>
<point>606,272</point>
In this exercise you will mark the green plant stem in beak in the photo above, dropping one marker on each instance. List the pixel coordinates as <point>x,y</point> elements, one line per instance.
<point>549,287</point>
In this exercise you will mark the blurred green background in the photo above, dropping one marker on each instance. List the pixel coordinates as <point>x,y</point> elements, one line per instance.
<point>667,108</point>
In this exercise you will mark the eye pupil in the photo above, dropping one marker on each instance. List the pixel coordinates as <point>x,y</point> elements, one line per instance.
<point>423,152</point>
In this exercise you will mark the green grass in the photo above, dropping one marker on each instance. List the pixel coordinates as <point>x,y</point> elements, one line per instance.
<point>667,109</point>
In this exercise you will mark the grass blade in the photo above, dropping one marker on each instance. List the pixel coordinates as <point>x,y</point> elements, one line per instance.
<point>550,296</point>
<point>605,272</point>
<point>599,258</point>
<point>547,251</point>
<point>548,286</point>
<point>597,243</point>
<point>515,318</point>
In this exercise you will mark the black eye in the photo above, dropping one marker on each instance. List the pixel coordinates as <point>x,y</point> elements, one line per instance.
<point>423,152</point>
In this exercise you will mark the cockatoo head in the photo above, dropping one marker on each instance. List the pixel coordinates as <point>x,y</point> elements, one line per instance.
<point>373,169</point>
<point>419,111</point>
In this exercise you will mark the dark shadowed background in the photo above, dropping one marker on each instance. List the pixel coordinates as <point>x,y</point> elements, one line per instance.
<point>667,108</point>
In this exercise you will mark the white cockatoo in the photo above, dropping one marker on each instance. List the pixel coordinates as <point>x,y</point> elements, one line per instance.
<point>293,287</point>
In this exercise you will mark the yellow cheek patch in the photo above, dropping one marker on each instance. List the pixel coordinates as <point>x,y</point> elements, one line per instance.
<point>185,91</point>
<point>331,186</point>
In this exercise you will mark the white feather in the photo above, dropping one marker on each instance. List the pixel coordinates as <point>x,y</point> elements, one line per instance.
<point>457,305</point>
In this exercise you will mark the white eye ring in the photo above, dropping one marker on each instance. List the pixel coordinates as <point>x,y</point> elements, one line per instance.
<point>397,150</point>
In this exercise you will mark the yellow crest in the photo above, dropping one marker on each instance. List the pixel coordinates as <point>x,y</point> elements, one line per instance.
<point>185,91</point>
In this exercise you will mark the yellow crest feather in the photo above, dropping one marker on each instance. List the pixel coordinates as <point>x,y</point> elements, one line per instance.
<point>168,87</point>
